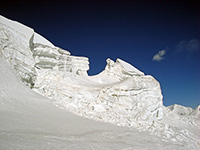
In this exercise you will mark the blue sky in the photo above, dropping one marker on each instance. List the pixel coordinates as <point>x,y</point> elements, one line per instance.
<point>161,38</point>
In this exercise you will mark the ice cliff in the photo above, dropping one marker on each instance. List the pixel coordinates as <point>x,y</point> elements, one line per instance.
<point>121,94</point>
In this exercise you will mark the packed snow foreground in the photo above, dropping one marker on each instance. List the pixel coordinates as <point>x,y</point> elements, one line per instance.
<point>121,94</point>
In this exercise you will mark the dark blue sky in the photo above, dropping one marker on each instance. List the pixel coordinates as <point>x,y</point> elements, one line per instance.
<point>132,31</point>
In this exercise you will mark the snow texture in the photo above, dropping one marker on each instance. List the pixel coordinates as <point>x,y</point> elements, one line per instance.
<point>121,95</point>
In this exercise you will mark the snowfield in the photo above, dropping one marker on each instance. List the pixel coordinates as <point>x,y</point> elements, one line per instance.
<point>47,101</point>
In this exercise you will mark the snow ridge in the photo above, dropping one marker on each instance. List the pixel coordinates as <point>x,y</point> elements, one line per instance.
<point>121,94</point>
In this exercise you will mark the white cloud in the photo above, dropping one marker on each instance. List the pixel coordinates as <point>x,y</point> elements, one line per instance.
<point>159,55</point>
<point>191,46</point>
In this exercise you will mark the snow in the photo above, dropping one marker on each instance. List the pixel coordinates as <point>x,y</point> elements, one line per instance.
<point>22,30</point>
<point>129,67</point>
<point>180,110</point>
<point>30,121</point>
<point>39,39</point>
<point>126,104</point>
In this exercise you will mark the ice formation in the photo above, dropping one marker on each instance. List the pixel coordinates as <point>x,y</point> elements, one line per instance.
<point>126,99</point>
<point>121,94</point>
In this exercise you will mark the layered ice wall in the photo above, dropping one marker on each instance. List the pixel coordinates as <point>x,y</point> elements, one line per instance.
<point>121,94</point>
<point>15,41</point>
<point>128,99</point>
<point>58,59</point>
<point>28,51</point>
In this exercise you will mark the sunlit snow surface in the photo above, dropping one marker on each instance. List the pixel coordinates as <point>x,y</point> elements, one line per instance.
<point>121,95</point>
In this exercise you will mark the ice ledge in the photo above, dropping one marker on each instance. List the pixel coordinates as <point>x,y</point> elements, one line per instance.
<point>121,69</point>
<point>129,68</point>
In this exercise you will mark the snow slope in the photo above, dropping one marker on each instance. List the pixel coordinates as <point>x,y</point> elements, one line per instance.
<point>30,121</point>
<point>121,95</point>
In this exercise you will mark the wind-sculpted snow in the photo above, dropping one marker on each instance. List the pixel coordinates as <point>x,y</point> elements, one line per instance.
<point>121,94</point>
<point>14,42</point>
<point>128,97</point>
<point>28,51</point>
<point>125,102</point>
